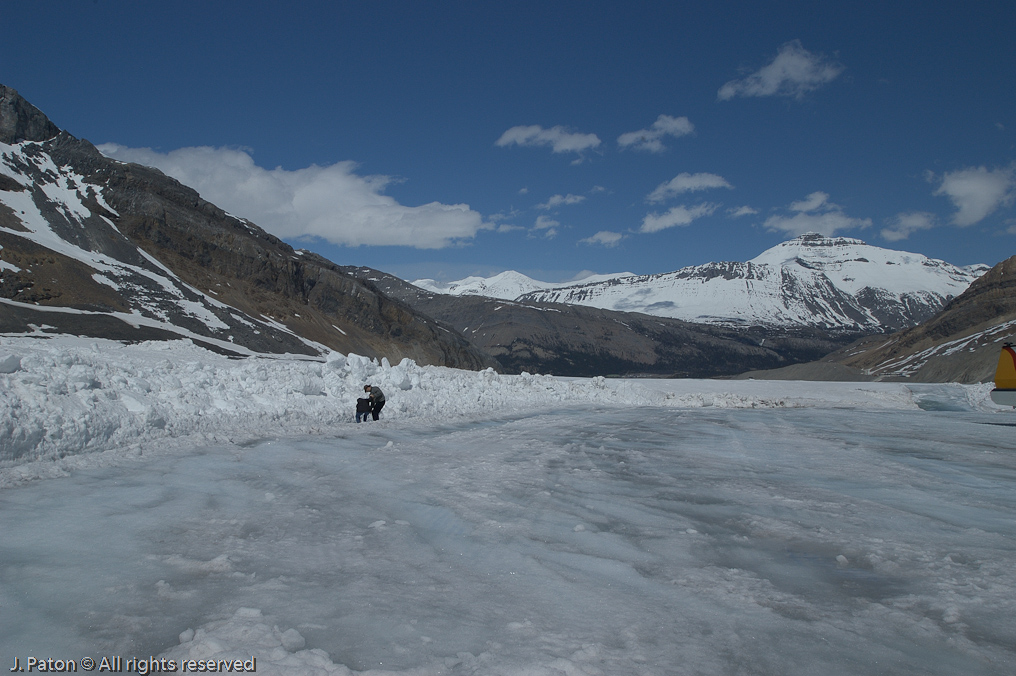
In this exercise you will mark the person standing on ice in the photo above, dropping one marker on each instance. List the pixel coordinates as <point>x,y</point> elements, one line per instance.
<point>377,399</point>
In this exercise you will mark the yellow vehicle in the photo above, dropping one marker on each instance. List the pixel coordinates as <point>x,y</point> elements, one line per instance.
<point>1004,393</point>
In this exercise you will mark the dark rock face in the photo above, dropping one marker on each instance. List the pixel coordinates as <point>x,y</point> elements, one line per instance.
<point>573,340</point>
<point>142,244</point>
<point>21,121</point>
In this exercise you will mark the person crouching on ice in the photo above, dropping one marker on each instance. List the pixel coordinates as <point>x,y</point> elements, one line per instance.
<point>362,408</point>
<point>377,399</point>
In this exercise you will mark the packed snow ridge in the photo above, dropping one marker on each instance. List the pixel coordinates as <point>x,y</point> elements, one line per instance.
<point>67,396</point>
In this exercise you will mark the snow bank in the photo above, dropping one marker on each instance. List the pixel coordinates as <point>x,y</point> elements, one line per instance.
<point>64,397</point>
<point>68,396</point>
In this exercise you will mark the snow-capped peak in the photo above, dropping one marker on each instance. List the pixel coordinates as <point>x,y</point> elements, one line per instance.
<point>812,247</point>
<point>811,280</point>
<point>507,285</point>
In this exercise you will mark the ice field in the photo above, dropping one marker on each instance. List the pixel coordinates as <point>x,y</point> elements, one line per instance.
<point>159,500</point>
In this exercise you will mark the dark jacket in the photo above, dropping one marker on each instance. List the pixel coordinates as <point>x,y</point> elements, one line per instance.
<point>363,405</point>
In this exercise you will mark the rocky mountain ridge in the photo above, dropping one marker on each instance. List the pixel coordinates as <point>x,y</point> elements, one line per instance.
<point>960,343</point>
<point>574,340</point>
<point>829,283</point>
<point>93,246</point>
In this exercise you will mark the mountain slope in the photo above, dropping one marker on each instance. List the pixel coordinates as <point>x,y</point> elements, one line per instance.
<point>959,344</point>
<point>579,341</point>
<point>93,246</point>
<point>836,284</point>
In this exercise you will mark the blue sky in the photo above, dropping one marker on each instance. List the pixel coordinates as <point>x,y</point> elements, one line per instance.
<point>447,139</point>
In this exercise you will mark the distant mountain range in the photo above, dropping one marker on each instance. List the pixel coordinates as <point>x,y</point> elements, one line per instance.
<point>802,297</point>
<point>574,340</point>
<point>830,283</point>
<point>507,285</point>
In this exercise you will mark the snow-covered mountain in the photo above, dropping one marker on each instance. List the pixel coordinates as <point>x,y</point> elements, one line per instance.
<point>959,344</point>
<point>507,285</point>
<point>833,283</point>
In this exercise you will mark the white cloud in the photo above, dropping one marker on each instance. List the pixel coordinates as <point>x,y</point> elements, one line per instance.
<point>738,212</point>
<point>560,200</point>
<point>826,224</point>
<point>686,182</point>
<point>558,138</point>
<point>813,202</point>
<point>331,202</point>
<point>543,222</point>
<point>903,225</point>
<point>977,192</point>
<point>548,226</point>
<point>794,72</point>
<point>651,139</point>
<point>503,216</point>
<point>498,218</point>
<point>816,213</point>
<point>676,216</point>
<point>603,238</point>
